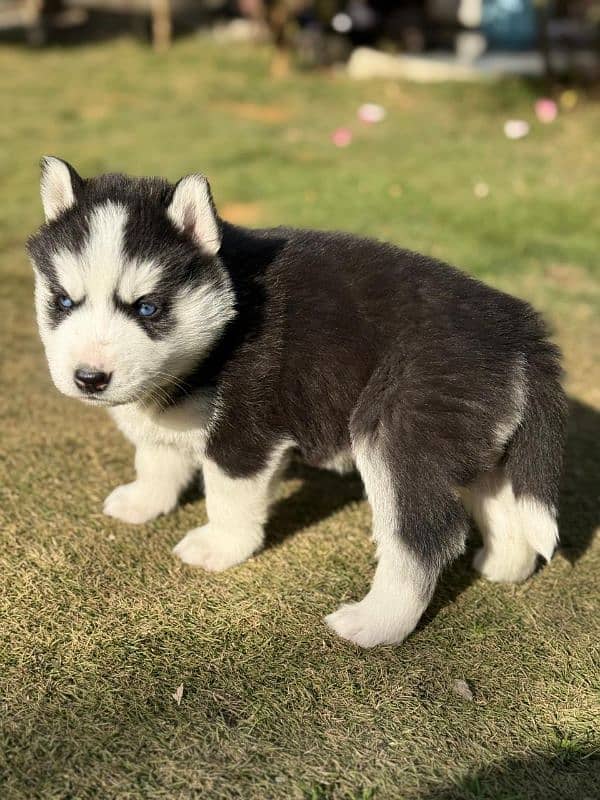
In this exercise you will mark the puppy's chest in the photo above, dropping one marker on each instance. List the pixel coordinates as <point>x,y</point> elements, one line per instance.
<point>185,427</point>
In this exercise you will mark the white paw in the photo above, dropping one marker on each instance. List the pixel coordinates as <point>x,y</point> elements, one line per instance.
<point>216,550</point>
<point>138,502</point>
<point>506,567</point>
<point>369,623</point>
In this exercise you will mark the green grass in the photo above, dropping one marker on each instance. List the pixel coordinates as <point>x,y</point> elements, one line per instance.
<point>100,624</point>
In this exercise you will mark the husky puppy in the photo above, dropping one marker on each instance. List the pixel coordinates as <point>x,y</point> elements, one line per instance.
<point>224,348</point>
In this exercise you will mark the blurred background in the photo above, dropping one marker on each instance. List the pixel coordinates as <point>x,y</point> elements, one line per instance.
<point>550,37</point>
<point>465,129</point>
<point>544,37</point>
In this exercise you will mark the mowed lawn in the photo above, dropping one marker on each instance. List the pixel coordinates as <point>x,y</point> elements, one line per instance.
<point>100,624</point>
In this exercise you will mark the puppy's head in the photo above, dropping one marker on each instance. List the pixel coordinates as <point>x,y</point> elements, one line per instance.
<point>129,289</point>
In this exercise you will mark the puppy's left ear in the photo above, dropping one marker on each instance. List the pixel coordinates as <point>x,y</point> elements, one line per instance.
<point>59,185</point>
<point>192,210</point>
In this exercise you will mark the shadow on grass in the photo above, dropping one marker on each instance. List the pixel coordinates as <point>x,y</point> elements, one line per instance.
<point>322,494</point>
<point>579,506</point>
<point>194,492</point>
<point>570,773</point>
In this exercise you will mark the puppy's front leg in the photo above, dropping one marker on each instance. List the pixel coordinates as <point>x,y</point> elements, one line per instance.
<point>237,511</point>
<point>162,474</point>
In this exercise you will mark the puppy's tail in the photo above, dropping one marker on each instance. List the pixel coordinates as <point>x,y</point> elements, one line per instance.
<point>533,459</point>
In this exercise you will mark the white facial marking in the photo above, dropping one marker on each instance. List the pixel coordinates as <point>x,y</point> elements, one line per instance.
<point>139,279</point>
<point>100,270</point>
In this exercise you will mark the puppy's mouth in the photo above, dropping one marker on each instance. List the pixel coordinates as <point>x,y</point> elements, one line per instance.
<point>91,400</point>
<point>150,396</point>
<point>100,399</point>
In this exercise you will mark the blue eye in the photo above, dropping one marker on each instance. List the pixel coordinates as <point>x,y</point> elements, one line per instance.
<point>64,301</point>
<point>145,309</point>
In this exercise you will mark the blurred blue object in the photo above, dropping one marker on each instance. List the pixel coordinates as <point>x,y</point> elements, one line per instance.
<point>509,24</point>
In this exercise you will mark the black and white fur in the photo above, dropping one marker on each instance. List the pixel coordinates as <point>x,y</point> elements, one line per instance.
<point>444,393</point>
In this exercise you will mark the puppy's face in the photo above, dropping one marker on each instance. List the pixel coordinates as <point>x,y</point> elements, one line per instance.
<point>129,291</point>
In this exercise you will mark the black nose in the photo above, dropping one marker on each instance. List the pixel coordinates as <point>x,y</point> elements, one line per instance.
<point>89,380</point>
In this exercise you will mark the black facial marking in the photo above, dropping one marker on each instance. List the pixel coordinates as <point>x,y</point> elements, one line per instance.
<point>68,232</point>
<point>56,312</point>
<point>157,326</point>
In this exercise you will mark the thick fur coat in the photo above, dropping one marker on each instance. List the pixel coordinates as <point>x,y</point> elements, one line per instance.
<point>225,348</point>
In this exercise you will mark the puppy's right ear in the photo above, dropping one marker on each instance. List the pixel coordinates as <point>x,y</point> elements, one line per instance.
<point>192,211</point>
<point>58,186</point>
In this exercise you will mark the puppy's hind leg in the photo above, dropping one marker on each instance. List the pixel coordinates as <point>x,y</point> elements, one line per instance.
<point>418,526</point>
<point>514,505</point>
<point>506,555</point>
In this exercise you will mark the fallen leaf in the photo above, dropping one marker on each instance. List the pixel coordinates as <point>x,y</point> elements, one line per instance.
<point>462,689</point>
<point>178,694</point>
